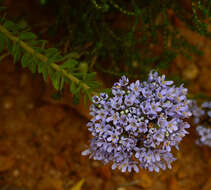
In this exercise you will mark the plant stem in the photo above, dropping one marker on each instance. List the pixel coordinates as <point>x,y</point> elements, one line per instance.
<point>4,56</point>
<point>41,57</point>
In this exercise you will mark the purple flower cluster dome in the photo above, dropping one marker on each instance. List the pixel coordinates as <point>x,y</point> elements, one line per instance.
<point>138,125</point>
<point>202,117</point>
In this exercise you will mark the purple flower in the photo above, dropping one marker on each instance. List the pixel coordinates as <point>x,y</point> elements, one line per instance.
<point>138,125</point>
<point>104,96</point>
<point>146,92</point>
<point>167,146</point>
<point>114,138</point>
<point>123,81</point>
<point>116,103</point>
<point>95,99</point>
<point>118,92</point>
<point>123,119</point>
<point>161,94</point>
<point>101,115</point>
<point>155,107</point>
<point>132,124</point>
<point>113,117</point>
<point>162,82</point>
<point>172,125</point>
<point>159,136</point>
<point>116,86</point>
<point>126,165</point>
<point>135,87</point>
<point>152,76</point>
<point>129,99</point>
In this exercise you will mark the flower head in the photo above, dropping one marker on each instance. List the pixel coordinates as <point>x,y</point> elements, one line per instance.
<point>138,125</point>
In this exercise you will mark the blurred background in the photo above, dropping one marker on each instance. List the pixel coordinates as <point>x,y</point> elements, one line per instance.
<point>42,133</point>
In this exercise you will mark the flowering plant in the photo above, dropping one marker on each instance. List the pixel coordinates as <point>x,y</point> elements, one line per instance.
<point>138,124</point>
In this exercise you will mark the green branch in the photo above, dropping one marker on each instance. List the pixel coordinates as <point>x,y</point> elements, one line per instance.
<point>42,58</point>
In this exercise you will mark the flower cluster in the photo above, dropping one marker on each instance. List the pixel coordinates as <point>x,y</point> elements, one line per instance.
<point>202,117</point>
<point>138,124</point>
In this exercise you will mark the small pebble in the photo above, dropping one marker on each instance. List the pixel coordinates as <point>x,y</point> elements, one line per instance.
<point>190,72</point>
<point>30,106</point>
<point>7,104</point>
<point>16,173</point>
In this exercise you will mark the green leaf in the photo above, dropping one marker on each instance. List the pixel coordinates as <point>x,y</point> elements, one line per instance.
<point>75,89</point>
<point>11,26</point>
<point>42,68</point>
<point>27,36</point>
<point>51,52</point>
<point>26,59</point>
<point>79,75</point>
<point>45,75</point>
<point>51,72</point>
<point>30,62</point>
<point>23,25</point>
<point>56,80</point>
<point>76,99</point>
<point>83,67</point>
<point>72,87</point>
<point>37,43</point>
<point>9,45</point>
<point>43,2</point>
<point>85,98</point>
<point>94,84</point>
<point>53,55</point>
<point>44,42</point>
<point>61,85</point>
<point>69,64</point>
<point>56,96</point>
<point>2,40</point>
<point>16,52</point>
<point>33,65</point>
<point>90,76</point>
<point>78,89</point>
<point>2,18</point>
<point>89,95</point>
<point>72,55</point>
<point>107,91</point>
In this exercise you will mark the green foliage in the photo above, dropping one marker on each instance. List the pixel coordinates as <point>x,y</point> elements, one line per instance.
<point>43,2</point>
<point>2,41</point>
<point>146,21</point>
<point>24,46</point>
<point>122,34</point>
<point>201,97</point>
